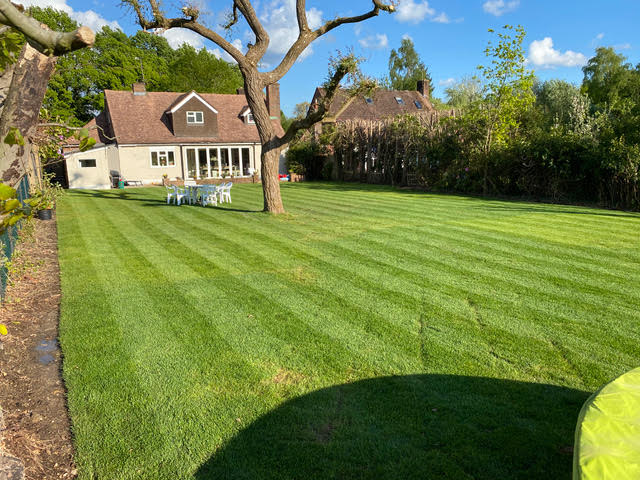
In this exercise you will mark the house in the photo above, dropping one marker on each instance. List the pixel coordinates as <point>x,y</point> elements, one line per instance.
<point>144,136</point>
<point>380,105</point>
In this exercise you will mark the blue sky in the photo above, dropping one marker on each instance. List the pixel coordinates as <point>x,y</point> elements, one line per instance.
<point>449,35</point>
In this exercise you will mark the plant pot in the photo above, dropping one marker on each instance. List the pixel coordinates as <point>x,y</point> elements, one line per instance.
<point>44,214</point>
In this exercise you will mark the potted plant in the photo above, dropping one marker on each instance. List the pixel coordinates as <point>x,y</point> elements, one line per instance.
<point>46,196</point>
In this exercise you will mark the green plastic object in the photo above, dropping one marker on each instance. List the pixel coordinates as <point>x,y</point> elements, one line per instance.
<point>121,184</point>
<point>607,443</point>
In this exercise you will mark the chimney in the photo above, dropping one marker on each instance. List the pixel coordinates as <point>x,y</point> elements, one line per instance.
<point>139,88</point>
<point>424,87</point>
<point>273,100</point>
<point>240,91</point>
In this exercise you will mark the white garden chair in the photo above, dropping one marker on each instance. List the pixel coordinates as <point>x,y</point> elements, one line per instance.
<point>171,193</point>
<point>176,194</point>
<point>225,193</point>
<point>208,195</point>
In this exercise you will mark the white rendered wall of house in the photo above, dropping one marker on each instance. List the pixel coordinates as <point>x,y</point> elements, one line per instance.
<point>113,158</point>
<point>135,163</point>
<point>89,177</point>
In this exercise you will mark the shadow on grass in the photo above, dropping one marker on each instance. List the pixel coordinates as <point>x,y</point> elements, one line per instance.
<point>138,195</point>
<point>409,427</point>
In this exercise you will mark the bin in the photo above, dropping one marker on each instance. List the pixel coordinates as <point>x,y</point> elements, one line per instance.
<point>121,184</point>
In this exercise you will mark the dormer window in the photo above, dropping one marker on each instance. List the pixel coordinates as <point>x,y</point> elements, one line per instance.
<point>400,101</point>
<point>418,104</point>
<point>369,100</point>
<point>250,118</point>
<point>195,118</point>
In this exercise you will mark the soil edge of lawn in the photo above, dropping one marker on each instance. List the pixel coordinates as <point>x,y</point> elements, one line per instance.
<point>33,397</point>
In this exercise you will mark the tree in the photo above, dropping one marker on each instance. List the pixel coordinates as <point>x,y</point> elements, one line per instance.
<point>508,91</point>
<point>564,105</point>
<point>464,93</point>
<point>301,109</point>
<point>151,16</point>
<point>406,68</point>
<point>200,70</point>
<point>75,92</point>
<point>613,85</point>
<point>23,82</point>
<point>606,76</point>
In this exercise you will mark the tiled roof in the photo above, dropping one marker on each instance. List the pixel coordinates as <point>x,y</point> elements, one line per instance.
<point>383,104</point>
<point>141,119</point>
<point>99,130</point>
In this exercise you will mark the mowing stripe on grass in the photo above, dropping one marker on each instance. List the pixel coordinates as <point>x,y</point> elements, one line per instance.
<point>215,317</point>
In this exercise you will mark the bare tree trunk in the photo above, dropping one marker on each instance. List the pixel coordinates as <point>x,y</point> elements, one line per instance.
<point>270,181</point>
<point>270,156</point>
<point>21,108</point>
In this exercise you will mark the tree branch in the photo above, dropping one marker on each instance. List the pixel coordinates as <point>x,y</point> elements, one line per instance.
<point>256,51</point>
<point>301,15</point>
<point>320,112</point>
<point>62,125</point>
<point>46,41</point>
<point>307,36</point>
<point>189,22</point>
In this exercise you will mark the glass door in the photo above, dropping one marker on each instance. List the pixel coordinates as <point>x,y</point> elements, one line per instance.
<point>192,168</point>
<point>214,163</point>
<point>235,161</point>
<point>247,169</point>
<point>203,163</point>
<point>224,160</point>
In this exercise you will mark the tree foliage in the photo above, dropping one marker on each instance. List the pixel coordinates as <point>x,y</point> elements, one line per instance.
<point>406,68</point>
<point>570,144</point>
<point>202,71</point>
<point>464,93</point>
<point>507,86</point>
<point>76,91</point>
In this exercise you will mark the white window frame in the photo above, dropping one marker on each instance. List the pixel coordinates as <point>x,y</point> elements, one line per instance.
<point>159,151</point>
<point>80,160</point>
<point>221,168</point>
<point>194,117</point>
<point>250,118</point>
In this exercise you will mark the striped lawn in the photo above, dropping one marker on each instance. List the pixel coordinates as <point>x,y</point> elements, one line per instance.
<point>368,333</point>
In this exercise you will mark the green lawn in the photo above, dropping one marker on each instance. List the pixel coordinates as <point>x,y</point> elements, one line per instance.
<point>369,333</point>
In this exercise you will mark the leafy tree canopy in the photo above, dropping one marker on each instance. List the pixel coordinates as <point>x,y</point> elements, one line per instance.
<point>606,77</point>
<point>464,93</point>
<point>563,105</point>
<point>192,69</point>
<point>406,68</point>
<point>75,92</point>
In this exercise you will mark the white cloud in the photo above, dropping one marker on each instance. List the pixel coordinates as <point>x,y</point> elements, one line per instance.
<point>542,54</point>
<point>442,18</point>
<point>447,82</point>
<point>89,18</point>
<point>600,36</point>
<point>376,42</point>
<point>622,46</point>
<point>278,18</point>
<point>411,12</point>
<point>500,7</point>
<point>94,20</point>
<point>177,36</point>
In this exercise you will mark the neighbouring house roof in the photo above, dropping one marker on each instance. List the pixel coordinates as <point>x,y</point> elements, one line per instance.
<point>383,104</point>
<point>145,119</point>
